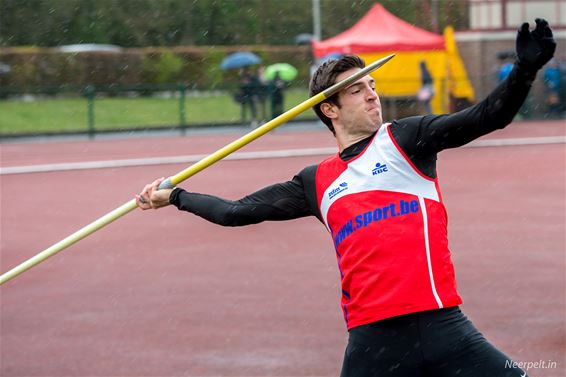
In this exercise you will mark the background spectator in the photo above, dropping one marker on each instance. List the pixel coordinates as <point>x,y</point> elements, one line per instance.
<point>552,84</point>
<point>426,92</point>
<point>249,88</point>
<point>275,89</point>
<point>505,68</point>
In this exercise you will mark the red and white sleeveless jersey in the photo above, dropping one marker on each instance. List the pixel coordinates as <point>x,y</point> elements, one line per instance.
<point>389,228</point>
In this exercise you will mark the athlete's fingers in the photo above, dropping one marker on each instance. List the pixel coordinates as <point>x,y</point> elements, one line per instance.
<point>153,187</point>
<point>144,194</point>
<point>143,199</point>
<point>145,189</point>
<point>524,31</point>
<point>142,203</point>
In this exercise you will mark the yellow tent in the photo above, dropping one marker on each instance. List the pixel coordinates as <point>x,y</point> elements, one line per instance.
<point>379,33</point>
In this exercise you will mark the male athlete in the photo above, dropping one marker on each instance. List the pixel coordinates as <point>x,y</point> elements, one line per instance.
<point>379,198</point>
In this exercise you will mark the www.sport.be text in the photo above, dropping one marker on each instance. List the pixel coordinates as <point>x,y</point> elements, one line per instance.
<point>381,213</point>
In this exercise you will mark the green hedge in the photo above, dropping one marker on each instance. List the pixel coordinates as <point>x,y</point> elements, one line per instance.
<point>197,67</point>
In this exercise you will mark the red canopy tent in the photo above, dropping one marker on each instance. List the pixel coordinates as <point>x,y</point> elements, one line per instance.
<point>377,31</point>
<point>380,33</point>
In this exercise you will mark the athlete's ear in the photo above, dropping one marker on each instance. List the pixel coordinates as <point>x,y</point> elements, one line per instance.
<point>328,109</point>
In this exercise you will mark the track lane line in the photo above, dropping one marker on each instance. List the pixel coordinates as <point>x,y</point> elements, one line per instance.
<point>284,153</point>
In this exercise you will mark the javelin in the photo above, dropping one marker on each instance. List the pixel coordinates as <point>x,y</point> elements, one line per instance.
<point>192,170</point>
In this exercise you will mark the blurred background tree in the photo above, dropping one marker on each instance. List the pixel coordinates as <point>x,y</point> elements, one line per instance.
<point>141,23</point>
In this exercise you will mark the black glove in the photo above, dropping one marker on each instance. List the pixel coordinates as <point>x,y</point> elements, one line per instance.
<point>536,48</point>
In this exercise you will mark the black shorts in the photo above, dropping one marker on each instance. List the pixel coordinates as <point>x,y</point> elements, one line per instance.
<point>436,343</point>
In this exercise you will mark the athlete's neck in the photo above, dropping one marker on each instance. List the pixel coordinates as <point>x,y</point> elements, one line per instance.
<point>346,138</point>
<point>353,150</point>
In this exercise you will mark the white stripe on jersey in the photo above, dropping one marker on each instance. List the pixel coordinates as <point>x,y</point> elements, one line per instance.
<point>358,176</point>
<point>427,245</point>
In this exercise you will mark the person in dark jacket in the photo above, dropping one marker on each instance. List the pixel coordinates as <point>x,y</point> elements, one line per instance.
<point>275,89</point>
<point>552,79</point>
<point>249,93</point>
<point>426,92</point>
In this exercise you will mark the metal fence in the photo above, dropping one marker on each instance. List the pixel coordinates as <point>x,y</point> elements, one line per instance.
<point>179,107</point>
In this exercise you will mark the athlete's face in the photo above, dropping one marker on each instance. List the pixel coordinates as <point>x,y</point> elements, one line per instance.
<point>360,108</point>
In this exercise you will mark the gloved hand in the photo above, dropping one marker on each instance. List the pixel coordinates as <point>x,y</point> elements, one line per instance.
<point>534,48</point>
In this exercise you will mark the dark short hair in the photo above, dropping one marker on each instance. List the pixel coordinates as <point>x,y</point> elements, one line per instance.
<point>325,77</point>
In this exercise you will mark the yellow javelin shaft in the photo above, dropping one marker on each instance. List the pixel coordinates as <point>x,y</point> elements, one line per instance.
<point>70,240</point>
<point>246,139</point>
<point>290,114</point>
<point>190,171</point>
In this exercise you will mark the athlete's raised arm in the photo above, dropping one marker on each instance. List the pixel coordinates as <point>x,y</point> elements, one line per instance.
<point>434,133</point>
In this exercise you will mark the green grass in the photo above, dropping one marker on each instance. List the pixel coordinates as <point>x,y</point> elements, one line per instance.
<point>68,115</point>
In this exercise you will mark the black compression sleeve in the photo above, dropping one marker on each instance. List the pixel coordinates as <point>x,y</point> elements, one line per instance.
<point>435,133</point>
<point>422,137</point>
<point>282,201</point>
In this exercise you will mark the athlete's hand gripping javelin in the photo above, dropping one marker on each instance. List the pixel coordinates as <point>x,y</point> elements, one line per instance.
<point>151,197</point>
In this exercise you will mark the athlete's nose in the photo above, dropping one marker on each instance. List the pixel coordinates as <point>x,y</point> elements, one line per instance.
<point>371,94</point>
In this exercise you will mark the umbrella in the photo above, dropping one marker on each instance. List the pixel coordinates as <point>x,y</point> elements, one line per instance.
<point>239,60</point>
<point>330,56</point>
<point>304,39</point>
<point>286,71</point>
<point>4,68</point>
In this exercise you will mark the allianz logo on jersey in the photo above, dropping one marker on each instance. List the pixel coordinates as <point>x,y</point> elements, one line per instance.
<point>335,191</point>
<point>379,168</point>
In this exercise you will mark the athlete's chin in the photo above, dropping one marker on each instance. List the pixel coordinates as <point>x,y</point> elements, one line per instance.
<point>374,112</point>
<point>373,126</point>
<point>377,121</point>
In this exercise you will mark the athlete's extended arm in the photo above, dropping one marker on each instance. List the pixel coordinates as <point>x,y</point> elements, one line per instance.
<point>432,134</point>
<point>282,201</point>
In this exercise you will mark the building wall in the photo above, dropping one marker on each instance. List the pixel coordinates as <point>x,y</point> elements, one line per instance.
<point>506,14</point>
<point>479,51</point>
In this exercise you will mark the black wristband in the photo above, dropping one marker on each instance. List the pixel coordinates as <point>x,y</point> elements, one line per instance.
<point>174,195</point>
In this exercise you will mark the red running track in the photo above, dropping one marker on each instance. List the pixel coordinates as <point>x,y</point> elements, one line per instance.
<point>163,293</point>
